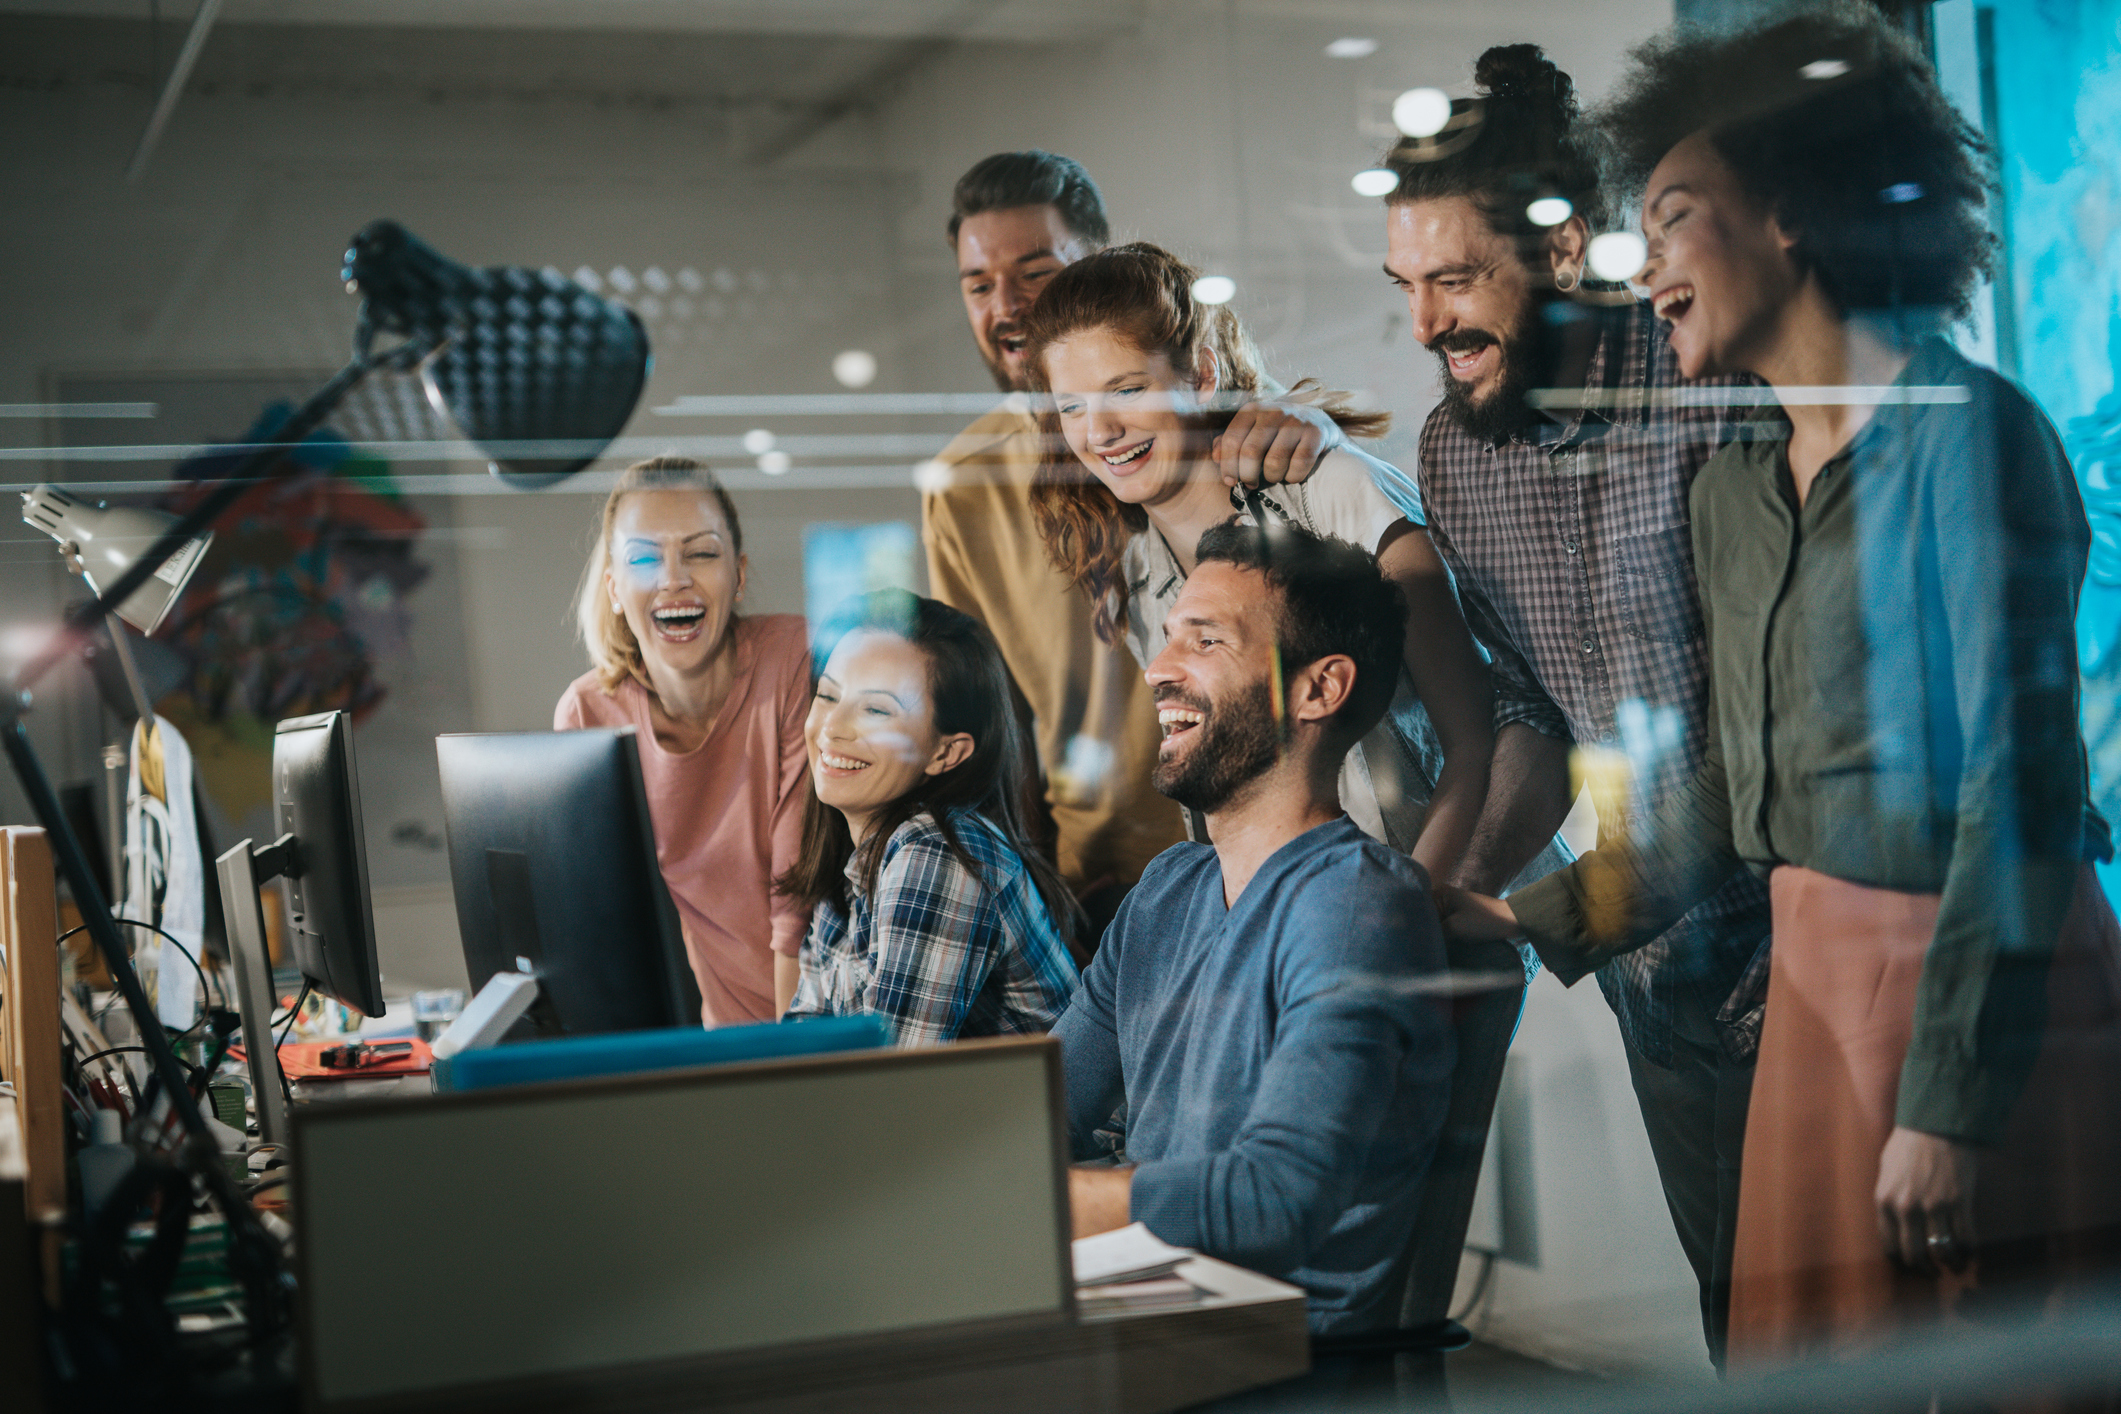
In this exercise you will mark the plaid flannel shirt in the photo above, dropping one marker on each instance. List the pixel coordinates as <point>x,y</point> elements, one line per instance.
<point>1574,562</point>
<point>939,951</point>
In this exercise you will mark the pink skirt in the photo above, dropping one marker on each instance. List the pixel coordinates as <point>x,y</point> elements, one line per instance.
<point>1810,1277</point>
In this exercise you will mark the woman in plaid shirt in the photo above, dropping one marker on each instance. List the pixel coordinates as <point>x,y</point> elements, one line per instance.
<point>929,908</point>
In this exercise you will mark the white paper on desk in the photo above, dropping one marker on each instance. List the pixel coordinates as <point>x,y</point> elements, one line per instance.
<point>1137,1296</point>
<point>1131,1253</point>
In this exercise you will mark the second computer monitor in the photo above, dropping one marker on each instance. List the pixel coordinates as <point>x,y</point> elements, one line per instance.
<point>316,797</point>
<point>552,856</point>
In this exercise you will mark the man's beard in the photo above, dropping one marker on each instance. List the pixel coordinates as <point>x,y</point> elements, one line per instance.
<point>997,369</point>
<point>1236,744</point>
<point>1504,412</point>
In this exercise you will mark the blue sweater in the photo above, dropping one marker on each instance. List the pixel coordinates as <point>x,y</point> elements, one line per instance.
<point>1284,1078</point>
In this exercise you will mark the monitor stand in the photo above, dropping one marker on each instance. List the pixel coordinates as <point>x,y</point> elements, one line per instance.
<point>242,870</point>
<point>499,1005</point>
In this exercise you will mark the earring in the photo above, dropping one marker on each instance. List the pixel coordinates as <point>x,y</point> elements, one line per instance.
<point>1567,280</point>
<point>615,607</point>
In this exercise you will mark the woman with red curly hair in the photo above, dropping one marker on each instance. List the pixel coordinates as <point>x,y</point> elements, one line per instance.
<point>1142,376</point>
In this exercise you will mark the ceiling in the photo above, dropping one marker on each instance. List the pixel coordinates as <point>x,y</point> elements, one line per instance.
<point>1033,20</point>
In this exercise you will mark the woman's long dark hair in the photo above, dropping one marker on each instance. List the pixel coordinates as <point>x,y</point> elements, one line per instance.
<point>969,686</point>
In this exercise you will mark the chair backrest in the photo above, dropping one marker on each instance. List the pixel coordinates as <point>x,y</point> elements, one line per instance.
<point>1483,1023</point>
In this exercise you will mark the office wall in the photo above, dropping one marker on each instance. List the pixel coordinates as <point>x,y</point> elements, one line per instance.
<point>1218,129</point>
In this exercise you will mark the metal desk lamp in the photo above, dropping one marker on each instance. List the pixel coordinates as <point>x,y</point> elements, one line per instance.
<point>533,369</point>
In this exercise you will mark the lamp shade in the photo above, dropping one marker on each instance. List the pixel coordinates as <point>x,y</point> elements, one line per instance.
<point>106,539</point>
<point>533,369</point>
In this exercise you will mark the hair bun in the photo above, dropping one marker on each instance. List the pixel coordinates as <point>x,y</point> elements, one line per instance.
<point>1523,71</point>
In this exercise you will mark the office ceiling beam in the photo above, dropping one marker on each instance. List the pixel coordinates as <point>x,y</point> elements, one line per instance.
<point>202,21</point>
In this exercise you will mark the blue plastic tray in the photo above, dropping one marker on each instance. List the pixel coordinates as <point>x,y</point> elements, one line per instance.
<point>631,1052</point>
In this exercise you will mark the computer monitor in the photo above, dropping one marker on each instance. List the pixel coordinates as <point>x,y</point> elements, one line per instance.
<point>317,799</point>
<point>320,854</point>
<point>553,859</point>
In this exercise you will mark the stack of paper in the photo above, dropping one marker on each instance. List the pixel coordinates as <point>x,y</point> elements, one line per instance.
<point>1130,1269</point>
<point>1130,1253</point>
<point>1150,1295</point>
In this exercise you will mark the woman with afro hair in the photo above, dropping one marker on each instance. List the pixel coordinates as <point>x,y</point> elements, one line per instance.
<point>1889,562</point>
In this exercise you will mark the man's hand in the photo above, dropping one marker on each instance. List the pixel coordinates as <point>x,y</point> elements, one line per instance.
<point>1099,1199</point>
<point>1926,1201</point>
<point>1269,443</point>
<point>1472,918</point>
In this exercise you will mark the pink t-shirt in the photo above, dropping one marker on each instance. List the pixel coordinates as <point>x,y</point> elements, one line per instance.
<point>729,814</point>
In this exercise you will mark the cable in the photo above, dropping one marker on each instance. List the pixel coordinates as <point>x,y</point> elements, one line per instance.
<point>80,1068</point>
<point>206,989</point>
<point>109,1051</point>
<point>1480,1284</point>
<point>287,1091</point>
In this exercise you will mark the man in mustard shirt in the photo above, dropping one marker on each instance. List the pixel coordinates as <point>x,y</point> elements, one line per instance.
<point>1016,218</point>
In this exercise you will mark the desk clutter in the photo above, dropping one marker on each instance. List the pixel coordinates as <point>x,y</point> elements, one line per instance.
<point>522,1157</point>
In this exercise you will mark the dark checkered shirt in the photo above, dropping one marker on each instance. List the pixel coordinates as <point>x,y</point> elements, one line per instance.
<point>940,951</point>
<point>1574,560</point>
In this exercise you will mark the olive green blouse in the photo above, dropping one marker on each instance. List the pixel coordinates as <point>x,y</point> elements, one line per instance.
<point>1894,694</point>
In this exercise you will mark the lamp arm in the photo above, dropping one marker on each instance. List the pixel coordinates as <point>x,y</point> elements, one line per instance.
<point>253,1252</point>
<point>233,483</point>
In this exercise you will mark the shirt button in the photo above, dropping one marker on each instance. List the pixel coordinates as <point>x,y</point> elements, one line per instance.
<point>1590,645</point>
<point>1569,545</point>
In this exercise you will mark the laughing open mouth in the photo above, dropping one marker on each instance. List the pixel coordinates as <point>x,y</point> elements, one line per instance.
<point>679,622</point>
<point>1130,456</point>
<point>1463,362</point>
<point>1671,305</point>
<point>1177,721</point>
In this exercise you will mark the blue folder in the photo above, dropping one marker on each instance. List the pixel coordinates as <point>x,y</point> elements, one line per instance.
<point>633,1052</point>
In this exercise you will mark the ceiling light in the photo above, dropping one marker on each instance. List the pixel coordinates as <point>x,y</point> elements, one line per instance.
<point>932,478</point>
<point>24,641</point>
<point>1421,112</point>
<point>1351,47</point>
<point>854,368</point>
<point>1618,256</point>
<point>758,441</point>
<point>1825,69</point>
<point>774,463</point>
<point>1377,181</point>
<point>1549,211</point>
<point>1214,289</point>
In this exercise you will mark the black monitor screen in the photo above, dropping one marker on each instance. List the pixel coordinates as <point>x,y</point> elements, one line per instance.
<point>552,855</point>
<point>317,800</point>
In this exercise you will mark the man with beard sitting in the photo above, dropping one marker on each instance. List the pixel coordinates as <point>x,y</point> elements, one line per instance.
<point>1266,1006</point>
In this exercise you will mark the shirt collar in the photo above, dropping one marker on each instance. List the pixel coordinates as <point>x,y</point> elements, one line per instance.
<point>1615,383</point>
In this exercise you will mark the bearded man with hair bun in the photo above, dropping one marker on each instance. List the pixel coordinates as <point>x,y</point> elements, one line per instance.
<point>1553,479</point>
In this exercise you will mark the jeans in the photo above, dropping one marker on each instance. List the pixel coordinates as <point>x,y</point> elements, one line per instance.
<point>1695,1114</point>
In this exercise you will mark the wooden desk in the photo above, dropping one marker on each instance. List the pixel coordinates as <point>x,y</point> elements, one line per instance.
<point>1253,1333</point>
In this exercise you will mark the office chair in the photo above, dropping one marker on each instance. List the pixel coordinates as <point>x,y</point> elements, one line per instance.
<point>1483,1023</point>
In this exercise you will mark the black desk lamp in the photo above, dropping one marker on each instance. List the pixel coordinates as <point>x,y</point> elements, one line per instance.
<point>535,369</point>
<point>532,368</point>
